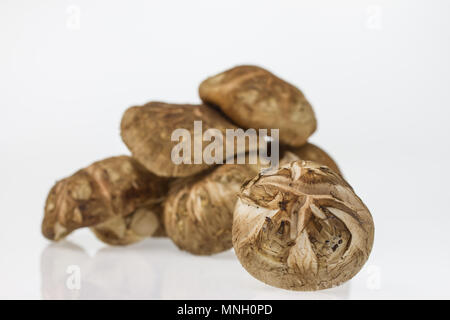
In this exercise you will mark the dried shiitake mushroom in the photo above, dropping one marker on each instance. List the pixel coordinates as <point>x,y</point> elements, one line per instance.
<point>255,98</point>
<point>312,152</point>
<point>301,227</point>
<point>198,212</point>
<point>111,188</point>
<point>147,131</point>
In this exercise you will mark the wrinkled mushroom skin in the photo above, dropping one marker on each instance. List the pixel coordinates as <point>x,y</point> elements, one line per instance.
<point>253,97</point>
<point>311,152</point>
<point>198,213</point>
<point>110,188</point>
<point>147,132</point>
<point>301,227</point>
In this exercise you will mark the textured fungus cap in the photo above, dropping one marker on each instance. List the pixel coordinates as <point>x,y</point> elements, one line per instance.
<point>255,98</point>
<point>107,189</point>
<point>301,227</point>
<point>147,132</point>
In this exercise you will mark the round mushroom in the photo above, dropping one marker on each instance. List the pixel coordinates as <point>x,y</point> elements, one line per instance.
<point>255,98</point>
<point>301,227</point>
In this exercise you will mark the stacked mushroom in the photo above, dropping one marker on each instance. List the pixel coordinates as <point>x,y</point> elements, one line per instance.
<point>284,221</point>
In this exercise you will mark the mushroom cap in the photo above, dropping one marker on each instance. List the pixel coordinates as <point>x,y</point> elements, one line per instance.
<point>147,132</point>
<point>252,97</point>
<point>301,227</point>
<point>106,189</point>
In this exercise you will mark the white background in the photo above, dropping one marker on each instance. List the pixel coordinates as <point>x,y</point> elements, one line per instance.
<point>376,72</point>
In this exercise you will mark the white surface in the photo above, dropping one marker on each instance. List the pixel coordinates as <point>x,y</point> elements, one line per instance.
<point>376,72</point>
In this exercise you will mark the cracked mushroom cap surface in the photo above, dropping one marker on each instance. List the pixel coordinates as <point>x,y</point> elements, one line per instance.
<point>301,227</point>
<point>110,188</point>
<point>255,98</point>
<point>147,131</point>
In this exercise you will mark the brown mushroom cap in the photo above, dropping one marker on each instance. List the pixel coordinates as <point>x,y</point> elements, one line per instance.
<point>255,98</point>
<point>311,152</point>
<point>301,227</point>
<point>109,188</point>
<point>147,132</point>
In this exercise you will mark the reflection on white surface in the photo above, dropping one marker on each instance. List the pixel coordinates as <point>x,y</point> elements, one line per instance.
<point>155,269</point>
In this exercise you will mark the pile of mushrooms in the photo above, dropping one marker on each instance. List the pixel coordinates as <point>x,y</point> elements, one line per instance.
<point>297,226</point>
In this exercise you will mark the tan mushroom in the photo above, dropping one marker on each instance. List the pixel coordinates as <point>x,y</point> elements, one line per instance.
<point>301,227</point>
<point>112,188</point>
<point>148,130</point>
<point>255,98</point>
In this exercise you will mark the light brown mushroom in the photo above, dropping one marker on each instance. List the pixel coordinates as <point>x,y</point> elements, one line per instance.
<point>255,98</point>
<point>147,131</point>
<point>108,189</point>
<point>301,227</point>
